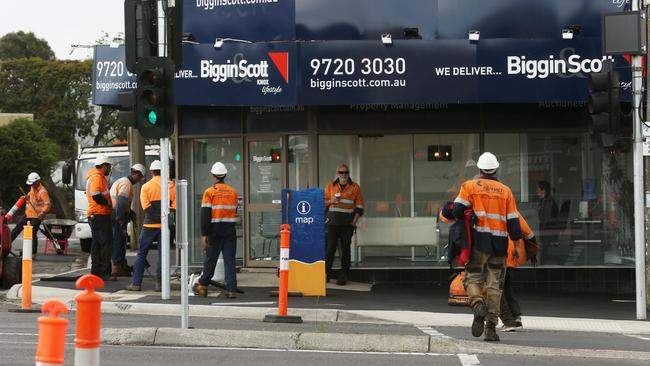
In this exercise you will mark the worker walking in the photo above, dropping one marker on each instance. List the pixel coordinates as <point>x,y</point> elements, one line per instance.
<point>218,235</point>
<point>99,216</point>
<point>496,218</point>
<point>121,199</point>
<point>344,204</point>
<point>510,312</point>
<point>150,196</point>
<point>38,204</point>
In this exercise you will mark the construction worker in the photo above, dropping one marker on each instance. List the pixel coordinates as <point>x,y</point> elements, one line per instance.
<point>344,204</point>
<point>510,311</point>
<point>496,212</point>
<point>38,204</point>
<point>100,208</point>
<point>218,219</point>
<point>150,196</point>
<point>121,198</point>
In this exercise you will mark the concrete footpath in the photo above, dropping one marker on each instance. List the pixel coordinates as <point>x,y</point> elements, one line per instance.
<point>372,318</point>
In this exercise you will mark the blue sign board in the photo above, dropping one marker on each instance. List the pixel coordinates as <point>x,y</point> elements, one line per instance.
<point>110,75</point>
<point>251,20</point>
<point>238,74</point>
<point>307,220</point>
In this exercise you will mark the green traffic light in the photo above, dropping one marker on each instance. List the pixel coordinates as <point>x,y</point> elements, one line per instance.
<point>152,117</point>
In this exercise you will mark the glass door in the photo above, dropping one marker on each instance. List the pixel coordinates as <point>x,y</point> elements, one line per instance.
<point>266,178</point>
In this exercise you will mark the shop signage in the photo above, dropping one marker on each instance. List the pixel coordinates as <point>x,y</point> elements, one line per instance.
<point>510,70</point>
<point>306,217</point>
<point>238,74</point>
<point>110,75</point>
<point>251,20</point>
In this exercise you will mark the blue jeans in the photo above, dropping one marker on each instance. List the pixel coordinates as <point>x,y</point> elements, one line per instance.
<point>147,237</point>
<point>217,245</point>
<point>119,243</point>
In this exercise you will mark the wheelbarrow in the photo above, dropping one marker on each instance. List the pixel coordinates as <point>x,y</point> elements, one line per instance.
<point>57,232</point>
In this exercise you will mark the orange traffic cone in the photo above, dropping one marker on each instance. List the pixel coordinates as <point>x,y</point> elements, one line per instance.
<point>20,203</point>
<point>89,313</point>
<point>51,334</point>
<point>26,296</point>
<point>283,294</point>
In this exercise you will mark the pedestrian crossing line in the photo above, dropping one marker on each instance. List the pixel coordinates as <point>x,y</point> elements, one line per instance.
<point>469,360</point>
<point>645,338</point>
<point>431,332</point>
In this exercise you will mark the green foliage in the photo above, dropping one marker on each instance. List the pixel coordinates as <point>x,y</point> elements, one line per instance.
<point>24,45</point>
<point>57,92</point>
<point>24,148</point>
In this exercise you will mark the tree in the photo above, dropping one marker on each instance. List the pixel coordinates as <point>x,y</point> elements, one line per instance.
<point>24,45</point>
<point>24,148</point>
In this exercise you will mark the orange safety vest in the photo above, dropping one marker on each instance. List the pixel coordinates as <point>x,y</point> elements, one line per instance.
<point>527,233</point>
<point>96,182</point>
<point>494,205</point>
<point>39,202</point>
<point>222,201</point>
<point>150,200</point>
<point>350,201</point>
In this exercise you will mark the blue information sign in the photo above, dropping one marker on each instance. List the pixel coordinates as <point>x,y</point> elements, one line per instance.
<point>110,75</point>
<point>306,216</point>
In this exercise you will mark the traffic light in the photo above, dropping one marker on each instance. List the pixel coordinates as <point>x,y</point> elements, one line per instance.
<point>604,102</point>
<point>154,97</point>
<point>126,109</point>
<point>140,31</point>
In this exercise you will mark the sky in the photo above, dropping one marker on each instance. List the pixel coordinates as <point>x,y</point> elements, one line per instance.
<point>63,22</point>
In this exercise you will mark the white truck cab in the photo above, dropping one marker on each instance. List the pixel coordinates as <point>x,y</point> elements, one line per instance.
<point>119,156</point>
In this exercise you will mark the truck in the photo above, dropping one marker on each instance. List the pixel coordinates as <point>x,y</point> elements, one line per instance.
<point>118,154</point>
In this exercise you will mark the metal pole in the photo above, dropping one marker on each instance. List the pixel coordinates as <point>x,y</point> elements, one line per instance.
<point>181,243</point>
<point>164,216</point>
<point>639,222</point>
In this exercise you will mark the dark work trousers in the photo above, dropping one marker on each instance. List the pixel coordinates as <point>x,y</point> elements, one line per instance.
<point>334,233</point>
<point>147,237</point>
<point>36,223</point>
<point>102,245</point>
<point>119,243</point>
<point>510,309</point>
<point>227,246</point>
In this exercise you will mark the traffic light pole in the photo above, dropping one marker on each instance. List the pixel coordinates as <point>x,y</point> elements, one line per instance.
<point>639,222</point>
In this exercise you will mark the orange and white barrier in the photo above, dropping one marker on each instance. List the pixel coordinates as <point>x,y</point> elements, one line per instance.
<point>87,337</point>
<point>27,269</point>
<point>20,203</point>
<point>51,334</point>
<point>283,293</point>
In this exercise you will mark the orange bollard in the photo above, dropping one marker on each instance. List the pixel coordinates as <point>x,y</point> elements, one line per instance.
<point>51,334</point>
<point>283,293</point>
<point>26,296</point>
<point>20,203</point>
<point>89,313</point>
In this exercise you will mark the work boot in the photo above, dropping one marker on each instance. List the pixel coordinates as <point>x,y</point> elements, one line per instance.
<point>133,287</point>
<point>230,295</point>
<point>491,332</point>
<point>120,270</point>
<point>480,311</point>
<point>200,290</point>
<point>158,286</point>
<point>518,322</point>
<point>342,281</point>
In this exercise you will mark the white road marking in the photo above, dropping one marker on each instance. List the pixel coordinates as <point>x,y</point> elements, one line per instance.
<point>431,331</point>
<point>244,303</point>
<point>469,360</point>
<point>646,338</point>
<point>29,334</point>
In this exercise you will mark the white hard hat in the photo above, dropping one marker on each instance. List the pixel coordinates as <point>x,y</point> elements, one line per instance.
<point>487,162</point>
<point>470,163</point>
<point>139,168</point>
<point>155,165</point>
<point>219,169</point>
<point>101,159</point>
<point>32,177</point>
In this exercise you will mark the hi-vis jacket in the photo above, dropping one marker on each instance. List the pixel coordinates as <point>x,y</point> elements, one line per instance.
<point>496,212</point>
<point>150,201</point>
<point>39,199</point>
<point>219,211</point>
<point>350,202</point>
<point>527,233</point>
<point>97,183</point>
